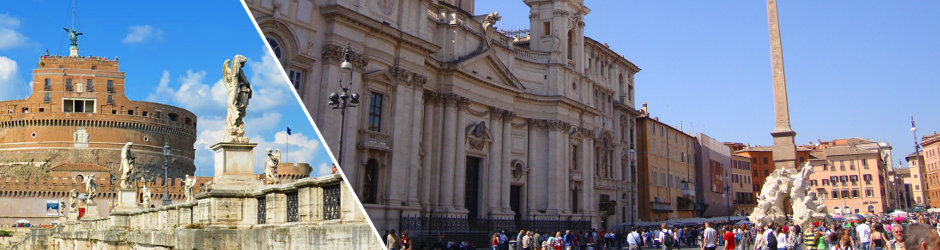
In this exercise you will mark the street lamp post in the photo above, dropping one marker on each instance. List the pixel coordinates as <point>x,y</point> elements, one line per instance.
<point>344,100</point>
<point>166,164</point>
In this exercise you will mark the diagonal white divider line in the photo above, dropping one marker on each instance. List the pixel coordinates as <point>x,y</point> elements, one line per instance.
<point>315,128</point>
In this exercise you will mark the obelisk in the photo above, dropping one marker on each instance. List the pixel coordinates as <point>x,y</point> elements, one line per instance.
<point>784,150</point>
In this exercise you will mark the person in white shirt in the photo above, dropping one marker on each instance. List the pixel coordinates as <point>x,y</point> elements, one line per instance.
<point>709,237</point>
<point>665,237</point>
<point>634,240</point>
<point>863,231</point>
<point>782,239</point>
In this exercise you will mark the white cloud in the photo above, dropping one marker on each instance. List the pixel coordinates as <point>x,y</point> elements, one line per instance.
<point>9,37</point>
<point>322,170</point>
<point>192,93</point>
<point>10,81</point>
<point>142,33</point>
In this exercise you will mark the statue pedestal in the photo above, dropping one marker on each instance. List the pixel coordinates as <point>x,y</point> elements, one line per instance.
<point>127,199</point>
<point>91,211</point>
<point>73,51</point>
<point>233,170</point>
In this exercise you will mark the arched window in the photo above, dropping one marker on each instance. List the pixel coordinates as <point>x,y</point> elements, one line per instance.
<point>275,46</point>
<point>370,182</point>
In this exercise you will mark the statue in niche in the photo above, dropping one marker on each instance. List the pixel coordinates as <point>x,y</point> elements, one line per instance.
<point>239,92</point>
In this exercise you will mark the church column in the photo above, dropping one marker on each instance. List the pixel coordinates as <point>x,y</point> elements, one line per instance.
<point>460,177</point>
<point>426,143</point>
<point>447,155</point>
<point>555,189</point>
<point>436,145</point>
<point>506,166</point>
<point>399,165</point>
<point>530,183</point>
<point>493,182</point>
<point>415,161</point>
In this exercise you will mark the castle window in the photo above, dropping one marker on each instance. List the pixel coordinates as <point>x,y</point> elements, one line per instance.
<point>46,98</point>
<point>144,114</point>
<point>110,100</point>
<point>110,86</point>
<point>25,110</point>
<point>93,67</point>
<point>68,84</point>
<point>130,112</point>
<point>42,110</point>
<point>47,86</point>
<point>78,106</point>
<point>173,117</point>
<point>159,115</point>
<point>187,121</point>
<point>89,86</point>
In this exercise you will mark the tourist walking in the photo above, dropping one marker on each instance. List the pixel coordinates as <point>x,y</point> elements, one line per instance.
<point>634,240</point>
<point>666,237</point>
<point>863,232</point>
<point>729,238</point>
<point>405,241</point>
<point>709,237</point>
<point>878,238</point>
<point>795,240</point>
<point>897,243</point>
<point>747,239</point>
<point>392,241</point>
<point>846,242</point>
<point>782,239</point>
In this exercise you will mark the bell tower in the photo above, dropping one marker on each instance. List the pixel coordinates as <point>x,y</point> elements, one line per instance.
<point>557,26</point>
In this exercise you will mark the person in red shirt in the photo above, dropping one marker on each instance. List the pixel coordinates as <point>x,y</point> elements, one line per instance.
<point>729,238</point>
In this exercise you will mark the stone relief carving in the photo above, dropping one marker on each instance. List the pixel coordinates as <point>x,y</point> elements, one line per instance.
<point>81,136</point>
<point>478,135</point>
<point>333,55</point>
<point>239,93</point>
<point>407,77</point>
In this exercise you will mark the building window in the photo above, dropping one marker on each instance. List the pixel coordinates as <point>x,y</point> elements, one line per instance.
<point>375,112</point>
<point>547,26</point>
<point>765,160</point>
<point>275,46</point>
<point>46,98</point>
<point>110,86</point>
<point>835,194</point>
<point>865,164</point>
<point>296,79</point>
<point>869,192</point>
<point>78,106</point>
<point>47,86</point>
<point>93,67</point>
<point>110,100</point>
<point>68,84</point>
<point>89,86</point>
<point>370,182</point>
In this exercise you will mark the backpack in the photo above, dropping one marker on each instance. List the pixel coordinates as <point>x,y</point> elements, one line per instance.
<point>667,239</point>
<point>771,242</point>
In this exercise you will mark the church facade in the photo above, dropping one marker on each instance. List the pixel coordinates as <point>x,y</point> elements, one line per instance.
<point>460,122</point>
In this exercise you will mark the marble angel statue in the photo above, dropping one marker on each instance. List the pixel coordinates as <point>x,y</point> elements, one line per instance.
<point>144,193</point>
<point>188,184</point>
<point>91,188</point>
<point>270,166</point>
<point>127,164</point>
<point>239,92</point>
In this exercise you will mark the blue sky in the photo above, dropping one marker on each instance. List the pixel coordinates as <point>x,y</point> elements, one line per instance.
<point>854,68</point>
<point>172,53</point>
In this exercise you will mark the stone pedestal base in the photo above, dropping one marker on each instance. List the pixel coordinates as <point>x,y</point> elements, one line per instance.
<point>127,199</point>
<point>73,51</point>
<point>225,208</point>
<point>233,170</point>
<point>91,212</point>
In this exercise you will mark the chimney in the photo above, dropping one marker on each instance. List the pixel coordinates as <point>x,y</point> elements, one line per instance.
<point>645,111</point>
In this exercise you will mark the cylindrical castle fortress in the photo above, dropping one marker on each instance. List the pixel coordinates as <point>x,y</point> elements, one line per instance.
<point>78,113</point>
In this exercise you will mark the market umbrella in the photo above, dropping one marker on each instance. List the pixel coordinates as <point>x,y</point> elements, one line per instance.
<point>898,213</point>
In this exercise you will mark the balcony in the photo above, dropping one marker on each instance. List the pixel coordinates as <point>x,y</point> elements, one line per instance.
<point>375,140</point>
<point>661,207</point>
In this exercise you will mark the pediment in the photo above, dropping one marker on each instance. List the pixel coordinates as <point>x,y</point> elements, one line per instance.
<point>383,76</point>
<point>487,67</point>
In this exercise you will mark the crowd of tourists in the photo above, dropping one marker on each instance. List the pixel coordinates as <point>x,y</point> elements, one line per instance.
<point>876,233</point>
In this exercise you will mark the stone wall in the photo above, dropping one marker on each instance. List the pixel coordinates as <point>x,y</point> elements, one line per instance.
<point>227,220</point>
